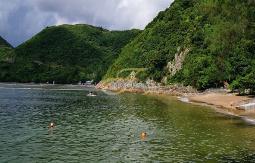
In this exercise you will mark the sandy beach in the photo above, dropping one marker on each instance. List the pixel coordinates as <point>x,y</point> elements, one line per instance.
<point>220,99</point>
<point>226,102</point>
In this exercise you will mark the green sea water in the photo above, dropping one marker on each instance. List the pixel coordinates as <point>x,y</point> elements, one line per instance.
<point>107,128</point>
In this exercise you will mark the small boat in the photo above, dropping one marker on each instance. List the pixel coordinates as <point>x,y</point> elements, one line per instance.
<point>91,94</point>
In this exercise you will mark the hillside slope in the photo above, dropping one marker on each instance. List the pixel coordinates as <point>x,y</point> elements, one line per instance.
<point>6,58</point>
<point>4,43</point>
<point>199,43</point>
<point>68,54</point>
<point>6,50</point>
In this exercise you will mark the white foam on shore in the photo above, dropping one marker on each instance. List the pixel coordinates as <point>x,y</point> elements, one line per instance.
<point>222,111</point>
<point>248,106</point>
<point>184,99</point>
<point>249,120</point>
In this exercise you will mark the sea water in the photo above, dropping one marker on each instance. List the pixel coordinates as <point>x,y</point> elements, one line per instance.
<point>107,128</point>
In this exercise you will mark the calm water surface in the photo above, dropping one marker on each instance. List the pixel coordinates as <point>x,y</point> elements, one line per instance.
<point>107,128</point>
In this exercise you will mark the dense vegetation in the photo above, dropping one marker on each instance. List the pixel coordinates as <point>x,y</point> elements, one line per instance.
<point>67,54</point>
<point>6,50</point>
<point>6,57</point>
<point>219,33</point>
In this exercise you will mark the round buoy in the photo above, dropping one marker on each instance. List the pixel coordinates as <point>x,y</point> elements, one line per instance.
<point>51,125</point>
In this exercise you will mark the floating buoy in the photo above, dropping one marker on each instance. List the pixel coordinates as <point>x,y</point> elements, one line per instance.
<point>51,125</point>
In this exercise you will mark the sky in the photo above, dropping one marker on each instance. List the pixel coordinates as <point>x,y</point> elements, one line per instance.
<point>21,19</point>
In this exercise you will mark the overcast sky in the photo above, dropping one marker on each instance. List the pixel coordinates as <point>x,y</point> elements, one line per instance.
<point>21,19</point>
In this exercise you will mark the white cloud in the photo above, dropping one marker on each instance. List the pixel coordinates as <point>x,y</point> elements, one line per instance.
<point>20,19</point>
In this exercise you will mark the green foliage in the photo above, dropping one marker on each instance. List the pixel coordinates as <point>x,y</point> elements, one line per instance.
<point>6,58</point>
<point>202,71</point>
<point>4,43</point>
<point>246,82</point>
<point>6,50</point>
<point>68,54</point>
<point>220,34</point>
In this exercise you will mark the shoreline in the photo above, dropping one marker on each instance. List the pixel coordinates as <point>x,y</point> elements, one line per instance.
<point>247,116</point>
<point>227,103</point>
<point>221,100</point>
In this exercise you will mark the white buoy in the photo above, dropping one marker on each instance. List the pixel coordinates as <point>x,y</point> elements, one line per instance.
<point>52,125</point>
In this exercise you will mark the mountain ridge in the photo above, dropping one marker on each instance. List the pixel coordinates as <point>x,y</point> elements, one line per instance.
<point>68,54</point>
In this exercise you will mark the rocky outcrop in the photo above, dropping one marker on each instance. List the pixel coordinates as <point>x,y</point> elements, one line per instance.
<point>149,86</point>
<point>131,84</point>
<point>176,65</point>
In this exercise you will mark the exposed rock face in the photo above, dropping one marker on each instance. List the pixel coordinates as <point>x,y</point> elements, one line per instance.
<point>149,87</point>
<point>131,84</point>
<point>176,65</point>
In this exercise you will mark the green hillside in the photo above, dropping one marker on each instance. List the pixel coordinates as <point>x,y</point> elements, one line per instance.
<point>216,38</point>
<point>68,54</point>
<point>4,43</point>
<point>6,58</point>
<point>6,50</point>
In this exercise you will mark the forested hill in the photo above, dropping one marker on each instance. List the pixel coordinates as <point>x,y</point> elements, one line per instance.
<point>203,43</point>
<point>4,43</point>
<point>6,51</point>
<point>6,57</point>
<point>67,54</point>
